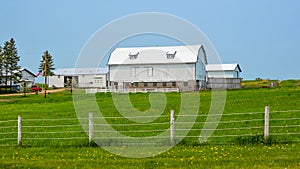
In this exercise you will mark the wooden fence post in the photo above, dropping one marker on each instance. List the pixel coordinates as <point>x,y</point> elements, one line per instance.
<point>267,118</point>
<point>91,127</point>
<point>19,130</point>
<point>172,127</point>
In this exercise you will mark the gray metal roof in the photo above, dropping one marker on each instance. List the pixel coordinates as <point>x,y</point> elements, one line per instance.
<point>222,67</point>
<point>81,71</point>
<point>154,55</point>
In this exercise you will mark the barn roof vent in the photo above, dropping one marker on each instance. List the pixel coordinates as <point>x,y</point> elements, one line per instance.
<point>133,55</point>
<point>171,54</point>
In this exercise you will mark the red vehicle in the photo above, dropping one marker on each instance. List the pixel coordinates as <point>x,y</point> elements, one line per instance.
<point>35,88</point>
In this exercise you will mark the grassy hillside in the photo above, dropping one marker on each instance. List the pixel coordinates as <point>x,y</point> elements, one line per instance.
<point>221,151</point>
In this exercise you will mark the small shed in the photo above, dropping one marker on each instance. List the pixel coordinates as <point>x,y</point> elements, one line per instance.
<point>80,77</point>
<point>225,76</point>
<point>223,70</point>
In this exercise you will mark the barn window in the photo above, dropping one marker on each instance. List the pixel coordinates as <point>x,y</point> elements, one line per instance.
<point>98,79</point>
<point>174,84</point>
<point>171,54</point>
<point>133,55</point>
<point>164,84</point>
<point>154,84</point>
<point>149,71</point>
<point>185,83</point>
<point>145,84</point>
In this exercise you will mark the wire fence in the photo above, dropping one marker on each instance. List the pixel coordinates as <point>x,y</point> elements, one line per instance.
<point>246,127</point>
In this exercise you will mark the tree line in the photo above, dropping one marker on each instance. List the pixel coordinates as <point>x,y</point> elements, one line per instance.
<point>10,71</point>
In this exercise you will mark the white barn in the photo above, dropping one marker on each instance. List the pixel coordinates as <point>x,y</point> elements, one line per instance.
<point>181,67</point>
<point>81,77</point>
<point>225,76</point>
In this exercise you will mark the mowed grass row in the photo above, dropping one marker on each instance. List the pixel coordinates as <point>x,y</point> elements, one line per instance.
<point>53,121</point>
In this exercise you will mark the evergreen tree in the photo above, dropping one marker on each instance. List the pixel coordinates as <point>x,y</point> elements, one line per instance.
<point>49,64</point>
<point>1,62</point>
<point>10,60</point>
<point>1,67</point>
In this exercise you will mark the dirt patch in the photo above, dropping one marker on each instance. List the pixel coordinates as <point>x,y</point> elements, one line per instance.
<point>19,94</point>
<point>5,100</point>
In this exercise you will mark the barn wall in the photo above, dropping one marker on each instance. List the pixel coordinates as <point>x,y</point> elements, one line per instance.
<point>29,77</point>
<point>26,75</point>
<point>236,73</point>
<point>56,80</point>
<point>92,81</point>
<point>152,73</point>
<point>200,65</point>
<point>224,83</point>
<point>221,74</point>
<point>83,80</point>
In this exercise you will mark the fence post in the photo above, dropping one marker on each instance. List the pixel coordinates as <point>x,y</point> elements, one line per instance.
<point>91,127</point>
<point>19,130</point>
<point>267,118</point>
<point>172,127</point>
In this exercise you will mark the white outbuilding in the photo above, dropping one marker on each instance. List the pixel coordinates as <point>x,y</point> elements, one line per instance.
<point>27,77</point>
<point>149,68</point>
<point>225,76</point>
<point>79,77</point>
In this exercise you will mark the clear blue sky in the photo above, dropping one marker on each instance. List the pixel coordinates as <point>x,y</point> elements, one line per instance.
<point>262,36</point>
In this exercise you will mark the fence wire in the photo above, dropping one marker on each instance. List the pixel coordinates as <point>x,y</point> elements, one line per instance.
<point>69,131</point>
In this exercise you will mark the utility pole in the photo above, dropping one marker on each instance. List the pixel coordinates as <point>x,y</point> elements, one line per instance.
<point>45,75</point>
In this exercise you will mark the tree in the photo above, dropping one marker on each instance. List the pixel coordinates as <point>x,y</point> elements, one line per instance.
<point>1,67</point>
<point>71,83</point>
<point>47,66</point>
<point>10,59</point>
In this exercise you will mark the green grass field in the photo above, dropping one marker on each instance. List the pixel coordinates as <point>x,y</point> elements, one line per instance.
<point>241,151</point>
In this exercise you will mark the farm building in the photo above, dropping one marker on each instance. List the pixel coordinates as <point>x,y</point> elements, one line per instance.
<point>149,68</point>
<point>80,77</point>
<point>27,77</point>
<point>226,76</point>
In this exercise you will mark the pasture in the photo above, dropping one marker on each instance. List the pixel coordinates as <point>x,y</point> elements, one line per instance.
<point>238,142</point>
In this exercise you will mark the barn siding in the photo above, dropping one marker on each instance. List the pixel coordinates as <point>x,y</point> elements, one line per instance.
<point>56,81</point>
<point>224,83</point>
<point>160,73</point>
